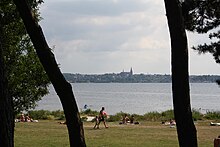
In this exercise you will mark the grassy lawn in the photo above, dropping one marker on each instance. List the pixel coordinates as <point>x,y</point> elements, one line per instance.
<point>147,134</point>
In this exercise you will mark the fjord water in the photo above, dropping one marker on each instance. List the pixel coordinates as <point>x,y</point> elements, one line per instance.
<point>138,98</point>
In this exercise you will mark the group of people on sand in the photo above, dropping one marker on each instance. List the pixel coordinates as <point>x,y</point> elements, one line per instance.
<point>171,123</point>
<point>127,120</point>
<point>101,118</point>
<point>25,118</point>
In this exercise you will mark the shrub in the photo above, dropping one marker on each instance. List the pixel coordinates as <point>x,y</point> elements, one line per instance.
<point>45,114</point>
<point>196,115</point>
<point>90,112</point>
<point>213,115</point>
<point>39,114</point>
<point>59,115</point>
<point>152,116</point>
<point>167,115</point>
<point>50,117</point>
<point>84,118</point>
<point>116,117</point>
<point>137,117</point>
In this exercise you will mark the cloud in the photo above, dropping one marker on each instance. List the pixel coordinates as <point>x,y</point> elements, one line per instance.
<point>96,7</point>
<point>99,36</point>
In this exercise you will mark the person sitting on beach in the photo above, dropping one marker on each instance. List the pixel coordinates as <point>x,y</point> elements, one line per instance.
<point>132,119</point>
<point>22,118</point>
<point>102,115</point>
<point>172,123</point>
<point>28,119</point>
<point>125,119</point>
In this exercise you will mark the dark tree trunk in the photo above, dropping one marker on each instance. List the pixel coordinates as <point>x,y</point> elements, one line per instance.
<point>62,87</point>
<point>180,77</point>
<point>6,102</point>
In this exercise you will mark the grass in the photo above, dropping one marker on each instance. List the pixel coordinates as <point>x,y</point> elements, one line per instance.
<point>49,133</point>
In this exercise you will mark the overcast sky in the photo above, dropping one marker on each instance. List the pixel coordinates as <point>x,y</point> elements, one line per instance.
<point>108,36</point>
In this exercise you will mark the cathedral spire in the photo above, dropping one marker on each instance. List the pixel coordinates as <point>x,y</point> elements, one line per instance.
<point>131,71</point>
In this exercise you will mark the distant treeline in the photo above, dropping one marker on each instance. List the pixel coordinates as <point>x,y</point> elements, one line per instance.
<point>135,78</point>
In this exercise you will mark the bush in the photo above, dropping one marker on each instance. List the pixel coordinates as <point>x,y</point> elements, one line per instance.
<point>90,112</point>
<point>50,117</point>
<point>59,115</point>
<point>84,118</point>
<point>167,115</point>
<point>39,114</point>
<point>152,116</point>
<point>196,115</point>
<point>138,117</point>
<point>213,115</point>
<point>116,117</point>
<point>45,114</point>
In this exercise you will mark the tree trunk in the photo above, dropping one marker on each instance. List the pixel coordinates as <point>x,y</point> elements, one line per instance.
<point>62,87</point>
<point>180,77</point>
<point>6,102</point>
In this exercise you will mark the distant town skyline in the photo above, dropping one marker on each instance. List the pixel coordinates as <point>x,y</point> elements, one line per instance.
<point>131,72</point>
<point>96,36</point>
<point>128,77</point>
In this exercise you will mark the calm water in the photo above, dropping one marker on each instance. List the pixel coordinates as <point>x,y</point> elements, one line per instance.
<point>138,98</point>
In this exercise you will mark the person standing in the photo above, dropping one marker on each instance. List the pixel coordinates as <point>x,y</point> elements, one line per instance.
<point>96,122</point>
<point>102,116</point>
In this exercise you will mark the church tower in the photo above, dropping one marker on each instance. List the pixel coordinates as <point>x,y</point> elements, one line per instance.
<point>131,71</point>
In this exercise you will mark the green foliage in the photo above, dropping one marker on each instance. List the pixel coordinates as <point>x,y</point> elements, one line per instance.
<point>117,117</point>
<point>50,117</point>
<point>84,118</point>
<point>28,81</point>
<point>213,115</point>
<point>90,112</point>
<point>39,114</point>
<point>167,115</point>
<point>150,116</point>
<point>59,115</point>
<point>203,17</point>
<point>47,115</point>
<point>155,116</point>
<point>196,115</point>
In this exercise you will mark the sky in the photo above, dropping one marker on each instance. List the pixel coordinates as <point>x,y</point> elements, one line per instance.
<point>109,36</point>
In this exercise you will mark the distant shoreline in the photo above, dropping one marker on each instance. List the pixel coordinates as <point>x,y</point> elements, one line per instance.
<point>126,77</point>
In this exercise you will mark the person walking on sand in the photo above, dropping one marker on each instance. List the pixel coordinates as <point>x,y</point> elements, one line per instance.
<point>102,116</point>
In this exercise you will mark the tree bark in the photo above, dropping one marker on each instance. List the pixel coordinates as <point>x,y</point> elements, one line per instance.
<point>62,87</point>
<point>6,102</point>
<point>180,77</point>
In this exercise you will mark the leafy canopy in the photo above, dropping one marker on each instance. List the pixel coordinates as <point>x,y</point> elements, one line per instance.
<point>203,16</point>
<point>28,82</point>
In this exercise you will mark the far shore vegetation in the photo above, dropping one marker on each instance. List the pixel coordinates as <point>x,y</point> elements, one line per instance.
<point>150,116</point>
<point>129,77</point>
